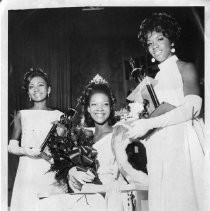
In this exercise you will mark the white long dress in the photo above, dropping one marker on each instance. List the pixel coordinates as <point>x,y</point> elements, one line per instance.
<point>31,177</point>
<point>92,202</point>
<point>174,154</point>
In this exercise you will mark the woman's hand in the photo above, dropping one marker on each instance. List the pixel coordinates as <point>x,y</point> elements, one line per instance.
<point>81,176</point>
<point>31,151</point>
<point>77,179</point>
<point>138,128</point>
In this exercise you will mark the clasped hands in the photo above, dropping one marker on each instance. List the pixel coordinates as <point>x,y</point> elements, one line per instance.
<point>82,177</point>
<point>81,180</point>
<point>35,152</point>
<point>31,151</point>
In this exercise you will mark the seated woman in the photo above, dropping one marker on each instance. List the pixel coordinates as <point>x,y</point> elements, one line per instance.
<point>98,112</point>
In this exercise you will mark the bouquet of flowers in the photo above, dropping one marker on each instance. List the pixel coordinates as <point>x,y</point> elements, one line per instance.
<point>73,149</point>
<point>131,112</point>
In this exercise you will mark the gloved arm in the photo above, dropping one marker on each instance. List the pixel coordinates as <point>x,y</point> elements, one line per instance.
<point>14,148</point>
<point>78,178</point>
<point>187,111</point>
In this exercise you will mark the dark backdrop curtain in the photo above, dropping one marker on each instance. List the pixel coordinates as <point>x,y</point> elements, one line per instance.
<point>72,46</point>
<point>39,41</point>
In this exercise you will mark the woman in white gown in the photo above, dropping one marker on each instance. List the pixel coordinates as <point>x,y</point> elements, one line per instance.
<point>98,113</point>
<point>175,150</point>
<point>33,126</point>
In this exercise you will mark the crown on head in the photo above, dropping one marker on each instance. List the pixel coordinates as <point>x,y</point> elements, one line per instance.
<point>98,80</point>
<point>33,70</point>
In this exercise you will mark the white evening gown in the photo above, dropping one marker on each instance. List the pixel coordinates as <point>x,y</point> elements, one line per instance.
<point>174,154</point>
<point>92,202</point>
<point>31,177</point>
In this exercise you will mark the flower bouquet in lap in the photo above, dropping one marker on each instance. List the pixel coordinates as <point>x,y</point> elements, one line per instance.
<point>73,150</point>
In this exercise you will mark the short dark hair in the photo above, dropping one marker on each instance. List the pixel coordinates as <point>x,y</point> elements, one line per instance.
<point>159,22</point>
<point>91,89</point>
<point>34,72</point>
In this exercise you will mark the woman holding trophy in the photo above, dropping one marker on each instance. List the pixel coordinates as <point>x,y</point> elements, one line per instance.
<point>175,152</point>
<point>33,126</point>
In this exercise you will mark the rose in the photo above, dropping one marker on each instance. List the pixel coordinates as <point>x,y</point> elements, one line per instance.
<point>88,133</point>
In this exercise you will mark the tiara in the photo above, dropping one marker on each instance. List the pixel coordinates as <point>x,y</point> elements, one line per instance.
<point>32,70</point>
<point>98,80</point>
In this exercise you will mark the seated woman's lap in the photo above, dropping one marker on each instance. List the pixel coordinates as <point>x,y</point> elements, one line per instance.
<point>68,202</point>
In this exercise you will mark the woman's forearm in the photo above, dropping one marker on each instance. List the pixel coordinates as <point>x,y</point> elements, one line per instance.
<point>14,147</point>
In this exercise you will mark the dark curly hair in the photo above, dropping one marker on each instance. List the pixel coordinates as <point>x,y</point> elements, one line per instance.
<point>34,72</point>
<point>159,22</point>
<point>91,89</point>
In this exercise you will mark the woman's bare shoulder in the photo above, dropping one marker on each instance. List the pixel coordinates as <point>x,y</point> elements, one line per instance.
<point>188,71</point>
<point>189,76</point>
<point>186,68</point>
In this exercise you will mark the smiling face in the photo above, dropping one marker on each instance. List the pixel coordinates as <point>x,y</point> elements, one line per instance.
<point>38,89</point>
<point>99,108</point>
<point>158,46</point>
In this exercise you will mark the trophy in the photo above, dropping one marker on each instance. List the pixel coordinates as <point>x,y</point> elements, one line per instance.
<point>151,104</point>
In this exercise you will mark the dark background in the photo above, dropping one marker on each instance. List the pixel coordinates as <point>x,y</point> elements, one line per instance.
<point>74,44</point>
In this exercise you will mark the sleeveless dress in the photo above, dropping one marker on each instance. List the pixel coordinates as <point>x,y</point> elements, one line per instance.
<point>92,202</point>
<point>31,177</point>
<point>174,153</point>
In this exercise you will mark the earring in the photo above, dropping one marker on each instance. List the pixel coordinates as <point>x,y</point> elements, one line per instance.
<point>172,49</point>
<point>48,95</point>
<point>29,98</point>
<point>153,60</point>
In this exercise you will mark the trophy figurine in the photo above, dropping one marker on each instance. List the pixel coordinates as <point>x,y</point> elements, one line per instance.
<point>145,93</point>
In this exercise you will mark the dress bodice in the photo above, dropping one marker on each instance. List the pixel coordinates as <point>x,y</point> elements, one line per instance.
<point>169,86</point>
<point>36,124</point>
<point>106,159</point>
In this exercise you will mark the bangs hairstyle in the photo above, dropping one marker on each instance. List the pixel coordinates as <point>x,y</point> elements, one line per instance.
<point>35,72</point>
<point>89,91</point>
<point>159,22</point>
